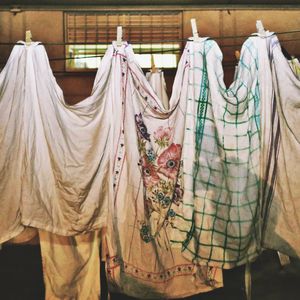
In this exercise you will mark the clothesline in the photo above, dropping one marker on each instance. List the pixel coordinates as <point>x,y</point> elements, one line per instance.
<point>228,64</point>
<point>156,52</point>
<point>148,42</point>
<point>161,51</point>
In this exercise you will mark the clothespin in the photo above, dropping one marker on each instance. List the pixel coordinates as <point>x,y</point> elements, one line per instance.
<point>195,30</point>
<point>261,32</point>
<point>260,28</point>
<point>237,54</point>
<point>28,37</point>
<point>119,36</point>
<point>153,68</point>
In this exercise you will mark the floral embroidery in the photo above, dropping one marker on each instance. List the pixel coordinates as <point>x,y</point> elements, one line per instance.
<point>168,161</point>
<point>150,176</point>
<point>178,194</point>
<point>151,155</point>
<point>141,127</point>
<point>162,136</point>
<point>145,233</point>
<point>161,175</point>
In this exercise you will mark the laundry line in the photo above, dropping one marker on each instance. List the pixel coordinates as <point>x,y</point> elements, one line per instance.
<point>227,64</point>
<point>162,51</point>
<point>148,41</point>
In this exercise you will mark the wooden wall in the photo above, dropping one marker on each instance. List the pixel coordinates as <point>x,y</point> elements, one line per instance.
<point>47,25</point>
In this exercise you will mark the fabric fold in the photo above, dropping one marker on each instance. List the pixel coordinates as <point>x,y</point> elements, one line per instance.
<point>281,227</point>
<point>65,158</point>
<point>12,143</point>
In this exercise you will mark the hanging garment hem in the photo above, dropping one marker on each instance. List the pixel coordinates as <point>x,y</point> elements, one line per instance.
<point>12,234</point>
<point>62,232</point>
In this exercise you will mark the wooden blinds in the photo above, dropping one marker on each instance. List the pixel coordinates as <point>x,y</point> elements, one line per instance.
<point>138,27</point>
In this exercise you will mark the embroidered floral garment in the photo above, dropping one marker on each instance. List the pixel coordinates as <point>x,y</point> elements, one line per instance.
<point>281,230</point>
<point>221,157</point>
<point>148,188</point>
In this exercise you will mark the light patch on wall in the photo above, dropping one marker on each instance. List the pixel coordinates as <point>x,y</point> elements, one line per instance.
<point>88,57</point>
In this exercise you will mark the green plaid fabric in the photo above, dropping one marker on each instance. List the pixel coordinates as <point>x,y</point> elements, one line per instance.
<point>221,160</point>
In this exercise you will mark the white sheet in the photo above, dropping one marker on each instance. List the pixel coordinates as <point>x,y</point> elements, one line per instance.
<point>57,155</point>
<point>281,229</point>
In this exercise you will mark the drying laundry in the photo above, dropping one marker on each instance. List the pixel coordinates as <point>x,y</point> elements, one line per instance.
<point>221,158</point>
<point>281,230</point>
<point>67,176</point>
<point>54,169</point>
<point>179,189</point>
<point>71,266</point>
<point>12,144</point>
<point>57,155</point>
<point>148,188</point>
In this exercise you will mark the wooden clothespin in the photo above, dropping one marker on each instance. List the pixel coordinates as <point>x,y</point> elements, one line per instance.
<point>237,54</point>
<point>195,30</point>
<point>261,32</point>
<point>119,36</point>
<point>28,37</point>
<point>260,28</point>
<point>153,67</point>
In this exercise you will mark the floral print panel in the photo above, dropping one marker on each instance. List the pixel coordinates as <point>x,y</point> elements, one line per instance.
<point>160,163</point>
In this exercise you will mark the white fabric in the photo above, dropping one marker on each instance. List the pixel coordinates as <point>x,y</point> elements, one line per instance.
<point>53,156</point>
<point>115,159</point>
<point>147,174</point>
<point>65,169</point>
<point>221,158</point>
<point>282,157</point>
<point>54,166</point>
<point>158,83</point>
<point>11,152</point>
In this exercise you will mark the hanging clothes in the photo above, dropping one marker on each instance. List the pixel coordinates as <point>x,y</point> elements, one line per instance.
<point>281,230</point>
<point>157,81</point>
<point>54,168</point>
<point>12,144</point>
<point>148,188</point>
<point>60,152</point>
<point>71,266</point>
<point>221,159</point>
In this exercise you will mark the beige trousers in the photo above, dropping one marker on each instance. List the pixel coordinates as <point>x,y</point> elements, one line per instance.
<point>71,266</point>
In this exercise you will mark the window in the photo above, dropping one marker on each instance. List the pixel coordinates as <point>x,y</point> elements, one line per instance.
<point>87,36</point>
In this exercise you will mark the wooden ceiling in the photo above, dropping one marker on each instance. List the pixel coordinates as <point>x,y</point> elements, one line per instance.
<point>148,2</point>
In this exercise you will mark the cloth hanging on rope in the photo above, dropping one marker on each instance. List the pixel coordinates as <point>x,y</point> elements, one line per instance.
<point>281,230</point>
<point>11,153</point>
<point>54,157</point>
<point>221,159</point>
<point>54,169</point>
<point>62,144</point>
<point>187,178</point>
<point>148,189</point>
